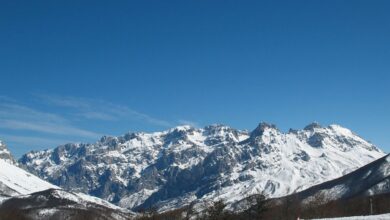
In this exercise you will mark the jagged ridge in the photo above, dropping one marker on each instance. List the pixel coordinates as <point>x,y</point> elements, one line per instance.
<point>173,168</point>
<point>5,154</point>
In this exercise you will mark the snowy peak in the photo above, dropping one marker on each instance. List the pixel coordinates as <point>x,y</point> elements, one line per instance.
<point>5,154</point>
<point>181,128</point>
<point>337,136</point>
<point>312,126</point>
<point>261,128</point>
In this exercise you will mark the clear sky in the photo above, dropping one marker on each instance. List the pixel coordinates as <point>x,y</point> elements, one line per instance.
<point>75,70</point>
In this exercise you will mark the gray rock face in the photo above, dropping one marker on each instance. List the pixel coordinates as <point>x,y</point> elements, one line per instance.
<point>173,168</point>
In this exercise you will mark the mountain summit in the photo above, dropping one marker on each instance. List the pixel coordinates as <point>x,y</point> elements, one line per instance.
<point>5,154</point>
<point>173,168</point>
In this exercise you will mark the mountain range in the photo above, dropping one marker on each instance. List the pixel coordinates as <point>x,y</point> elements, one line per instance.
<point>185,165</point>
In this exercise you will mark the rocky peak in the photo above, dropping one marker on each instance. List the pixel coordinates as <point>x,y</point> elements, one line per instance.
<point>181,128</point>
<point>5,154</point>
<point>130,135</point>
<point>312,126</point>
<point>261,128</point>
<point>108,140</point>
<point>218,129</point>
<point>178,133</point>
<point>215,127</point>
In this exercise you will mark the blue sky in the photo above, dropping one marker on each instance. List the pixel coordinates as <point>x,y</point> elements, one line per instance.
<point>76,70</point>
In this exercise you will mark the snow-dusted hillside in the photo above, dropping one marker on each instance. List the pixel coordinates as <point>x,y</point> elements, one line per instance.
<point>173,168</point>
<point>15,181</point>
<point>371,179</point>
<point>60,204</point>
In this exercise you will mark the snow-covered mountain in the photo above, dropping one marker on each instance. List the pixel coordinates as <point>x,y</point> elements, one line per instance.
<point>173,168</point>
<point>35,198</point>
<point>371,179</point>
<point>5,154</point>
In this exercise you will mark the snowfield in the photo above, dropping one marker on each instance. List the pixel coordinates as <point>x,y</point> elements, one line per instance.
<point>370,217</point>
<point>19,181</point>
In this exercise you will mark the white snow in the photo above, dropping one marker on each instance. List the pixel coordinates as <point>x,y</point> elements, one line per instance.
<point>82,198</point>
<point>137,198</point>
<point>284,175</point>
<point>47,212</point>
<point>24,183</point>
<point>20,180</point>
<point>368,217</point>
<point>3,198</point>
